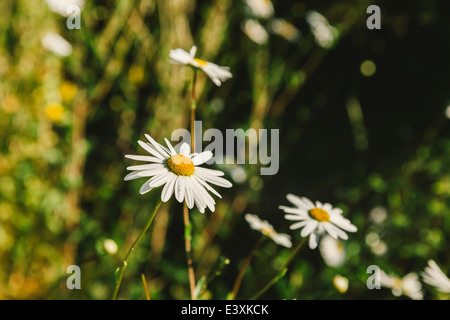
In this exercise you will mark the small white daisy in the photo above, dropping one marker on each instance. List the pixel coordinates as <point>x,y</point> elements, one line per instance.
<point>267,229</point>
<point>179,172</point>
<point>434,276</point>
<point>215,72</point>
<point>409,285</point>
<point>261,8</point>
<point>332,251</point>
<point>325,34</point>
<point>255,31</point>
<point>317,219</point>
<point>285,29</point>
<point>340,283</point>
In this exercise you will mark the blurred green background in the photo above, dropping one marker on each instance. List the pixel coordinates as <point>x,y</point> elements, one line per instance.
<point>363,118</point>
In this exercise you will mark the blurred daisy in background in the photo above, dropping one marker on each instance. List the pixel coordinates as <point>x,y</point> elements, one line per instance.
<point>260,8</point>
<point>409,285</point>
<point>377,246</point>
<point>53,42</point>
<point>434,276</point>
<point>215,72</point>
<point>317,220</point>
<point>378,214</point>
<point>255,31</point>
<point>332,251</point>
<point>110,246</point>
<point>324,33</point>
<point>267,229</point>
<point>64,7</point>
<point>284,29</point>
<point>179,172</point>
<point>340,283</point>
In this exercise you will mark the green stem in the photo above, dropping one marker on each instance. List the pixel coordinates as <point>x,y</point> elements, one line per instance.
<point>144,284</point>
<point>132,248</point>
<point>244,266</point>
<point>193,109</point>
<point>187,224</point>
<point>282,271</point>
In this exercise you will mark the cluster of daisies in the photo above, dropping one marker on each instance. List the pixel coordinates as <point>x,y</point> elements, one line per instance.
<point>180,174</point>
<point>410,285</point>
<point>260,21</point>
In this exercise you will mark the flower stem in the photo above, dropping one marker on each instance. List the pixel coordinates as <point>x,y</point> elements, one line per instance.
<point>281,272</point>
<point>187,225</point>
<point>121,270</point>
<point>244,266</point>
<point>193,109</point>
<point>187,243</point>
<point>144,284</point>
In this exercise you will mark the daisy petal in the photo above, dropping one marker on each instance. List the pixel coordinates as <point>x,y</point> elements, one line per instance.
<point>202,158</point>
<point>132,176</point>
<point>168,189</point>
<point>169,145</point>
<point>298,225</point>
<point>143,158</point>
<point>189,193</point>
<point>184,149</point>
<point>150,150</point>
<point>206,171</point>
<point>313,241</point>
<point>157,146</point>
<point>159,180</point>
<point>146,166</point>
<point>179,189</point>
<point>310,227</point>
<point>145,188</point>
<point>193,51</point>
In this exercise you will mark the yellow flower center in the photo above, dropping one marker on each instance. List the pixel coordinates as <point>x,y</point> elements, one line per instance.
<point>268,232</point>
<point>319,214</point>
<point>397,283</point>
<point>181,165</point>
<point>201,62</point>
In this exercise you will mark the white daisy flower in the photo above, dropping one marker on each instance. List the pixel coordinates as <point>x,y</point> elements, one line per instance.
<point>261,8</point>
<point>216,73</point>
<point>434,276</point>
<point>179,172</point>
<point>409,285</point>
<point>317,219</point>
<point>332,251</point>
<point>267,229</point>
